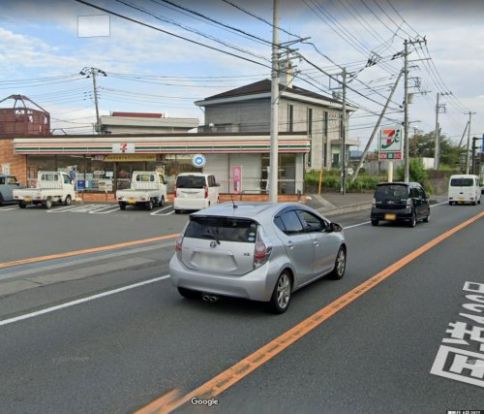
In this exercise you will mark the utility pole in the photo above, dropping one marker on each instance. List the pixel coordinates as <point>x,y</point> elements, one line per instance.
<point>274,150</point>
<point>437,135</point>
<point>468,141</point>
<point>90,72</point>
<point>343,137</point>
<point>406,151</point>
<point>438,106</point>
<point>375,129</point>
<point>474,153</point>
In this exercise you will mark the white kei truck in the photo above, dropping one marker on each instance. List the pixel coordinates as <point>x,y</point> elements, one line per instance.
<point>52,187</point>
<point>148,189</point>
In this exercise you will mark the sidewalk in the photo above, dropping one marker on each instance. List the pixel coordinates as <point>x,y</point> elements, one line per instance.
<point>333,204</point>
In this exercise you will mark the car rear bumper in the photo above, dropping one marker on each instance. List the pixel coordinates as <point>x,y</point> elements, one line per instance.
<point>403,214</point>
<point>180,203</point>
<point>254,285</point>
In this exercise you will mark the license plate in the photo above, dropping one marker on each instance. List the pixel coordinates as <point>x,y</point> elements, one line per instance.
<point>390,217</point>
<point>132,201</point>
<point>461,199</point>
<point>27,199</point>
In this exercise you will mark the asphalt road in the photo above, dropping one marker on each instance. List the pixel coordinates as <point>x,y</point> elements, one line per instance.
<point>116,353</point>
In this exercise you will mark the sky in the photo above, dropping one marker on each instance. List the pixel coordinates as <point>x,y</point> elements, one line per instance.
<point>45,44</point>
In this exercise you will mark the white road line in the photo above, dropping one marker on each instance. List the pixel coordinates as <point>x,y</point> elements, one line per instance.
<point>356,225</point>
<point>82,300</point>
<point>61,209</point>
<point>7,209</point>
<point>157,212</point>
<point>105,210</point>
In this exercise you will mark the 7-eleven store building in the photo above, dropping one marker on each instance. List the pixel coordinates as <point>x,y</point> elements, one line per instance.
<point>104,163</point>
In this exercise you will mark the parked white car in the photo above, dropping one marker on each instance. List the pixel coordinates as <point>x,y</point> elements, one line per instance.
<point>148,188</point>
<point>195,191</point>
<point>464,188</point>
<point>52,187</point>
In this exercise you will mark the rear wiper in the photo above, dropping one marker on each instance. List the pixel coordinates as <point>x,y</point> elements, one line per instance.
<point>213,236</point>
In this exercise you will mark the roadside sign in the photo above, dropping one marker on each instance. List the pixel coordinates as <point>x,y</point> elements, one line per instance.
<point>237,178</point>
<point>198,160</point>
<point>390,144</point>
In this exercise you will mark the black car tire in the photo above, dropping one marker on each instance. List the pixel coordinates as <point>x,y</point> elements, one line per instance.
<point>149,205</point>
<point>451,203</point>
<point>374,222</point>
<point>68,201</point>
<point>1,199</point>
<point>339,265</point>
<point>22,204</point>
<point>426,219</point>
<point>188,293</point>
<point>122,206</point>
<point>48,204</point>
<point>161,203</point>
<point>281,296</point>
<point>413,220</point>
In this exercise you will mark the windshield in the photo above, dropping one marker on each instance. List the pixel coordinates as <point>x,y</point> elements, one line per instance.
<point>461,182</point>
<point>145,177</point>
<point>391,192</point>
<point>190,181</point>
<point>222,229</point>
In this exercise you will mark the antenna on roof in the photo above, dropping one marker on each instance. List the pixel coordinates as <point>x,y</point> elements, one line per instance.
<point>234,206</point>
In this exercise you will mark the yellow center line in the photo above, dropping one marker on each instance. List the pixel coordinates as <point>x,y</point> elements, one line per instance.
<point>221,382</point>
<point>30,260</point>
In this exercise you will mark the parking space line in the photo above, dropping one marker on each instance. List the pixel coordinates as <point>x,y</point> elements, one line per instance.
<point>247,365</point>
<point>91,250</point>
<point>105,210</point>
<point>158,212</point>
<point>82,300</point>
<point>7,209</point>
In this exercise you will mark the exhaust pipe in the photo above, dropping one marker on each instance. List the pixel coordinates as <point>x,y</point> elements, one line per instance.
<point>209,298</point>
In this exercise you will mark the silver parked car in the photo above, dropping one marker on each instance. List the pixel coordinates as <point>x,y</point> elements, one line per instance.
<point>261,252</point>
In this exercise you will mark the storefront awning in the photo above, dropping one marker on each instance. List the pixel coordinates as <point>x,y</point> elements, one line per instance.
<point>180,144</point>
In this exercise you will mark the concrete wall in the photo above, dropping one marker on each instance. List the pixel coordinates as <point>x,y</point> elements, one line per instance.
<point>16,163</point>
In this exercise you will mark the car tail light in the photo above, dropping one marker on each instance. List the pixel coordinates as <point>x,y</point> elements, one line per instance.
<point>409,203</point>
<point>261,252</point>
<point>373,202</point>
<point>206,191</point>
<point>174,192</point>
<point>178,245</point>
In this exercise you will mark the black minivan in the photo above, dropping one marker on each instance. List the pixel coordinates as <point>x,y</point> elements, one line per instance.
<point>399,201</point>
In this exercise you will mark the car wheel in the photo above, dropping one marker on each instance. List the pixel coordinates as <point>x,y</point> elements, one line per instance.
<point>281,297</point>
<point>68,201</point>
<point>48,204</point>
<point>451,203</point>
<point>1,199</point>
<point>426,219</point>
<point>188,293</point>
<point>22,204</point>
<point>122,206</point>
<point>149,205</point>
<point>161,203</point>
<point>374,222</point>
<point>177,211</point>
<point>413,220</point>
<point>339,264</point>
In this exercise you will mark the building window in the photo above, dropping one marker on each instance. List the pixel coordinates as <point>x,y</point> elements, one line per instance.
<point>310,121</point>
<point>290,118</point>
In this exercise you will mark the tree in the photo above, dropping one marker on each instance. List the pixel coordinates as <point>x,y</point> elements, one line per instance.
<point>424,146</point>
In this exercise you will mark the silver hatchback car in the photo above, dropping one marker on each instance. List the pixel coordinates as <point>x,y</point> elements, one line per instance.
<point>257,251</point>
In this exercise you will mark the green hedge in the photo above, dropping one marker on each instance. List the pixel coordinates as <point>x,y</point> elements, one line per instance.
<point>331,181</point>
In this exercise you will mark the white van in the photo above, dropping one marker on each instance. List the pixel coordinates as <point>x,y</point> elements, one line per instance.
<point>464,188</point>
<point>195,191</point>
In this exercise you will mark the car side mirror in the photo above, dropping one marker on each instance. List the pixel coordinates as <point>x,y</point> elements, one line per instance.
<point>333,227</point>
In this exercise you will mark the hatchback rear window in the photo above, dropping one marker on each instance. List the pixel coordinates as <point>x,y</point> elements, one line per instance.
<point>391,192</point>
<point>222,229</point>
<point>461,182</point>
<point>190,181</point>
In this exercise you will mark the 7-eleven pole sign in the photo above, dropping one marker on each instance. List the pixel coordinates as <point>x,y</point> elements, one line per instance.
<point>390,144</point>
